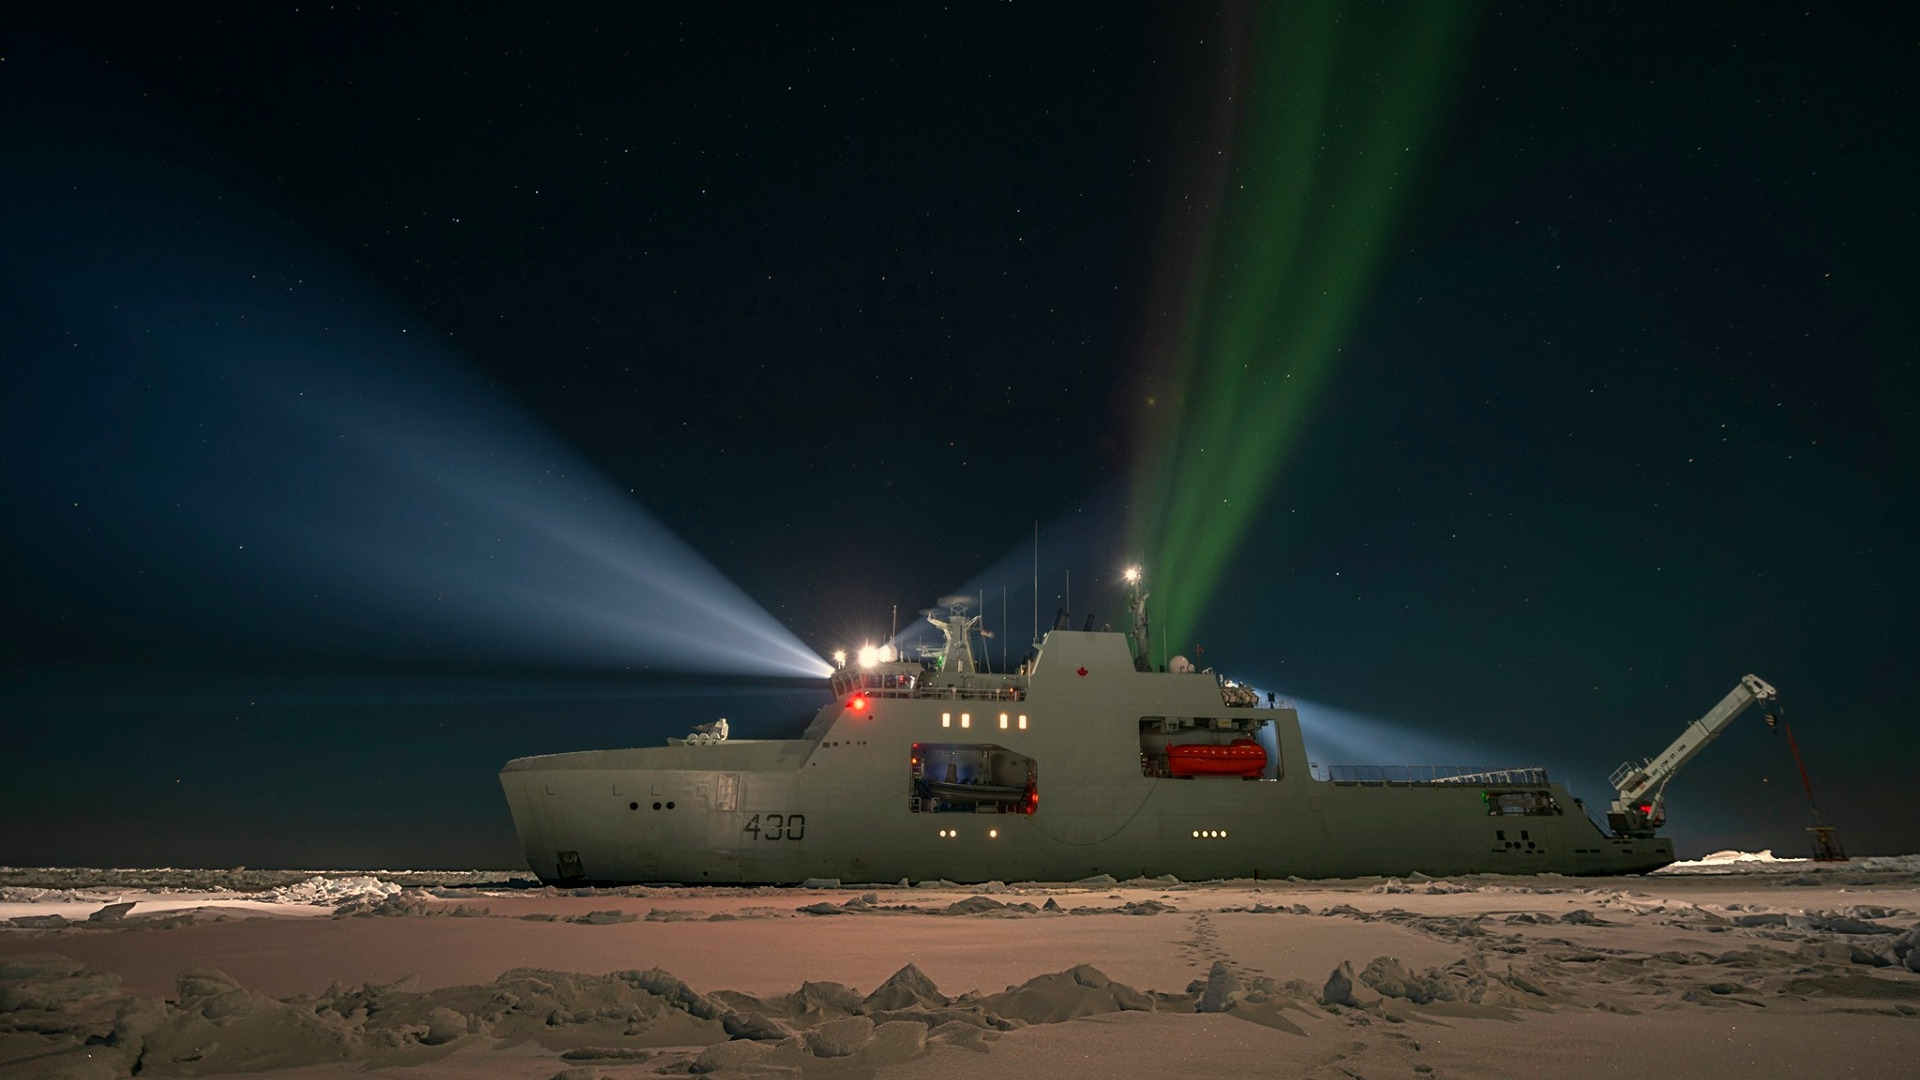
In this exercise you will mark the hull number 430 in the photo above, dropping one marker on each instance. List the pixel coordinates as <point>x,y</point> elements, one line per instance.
<point>777,826</point>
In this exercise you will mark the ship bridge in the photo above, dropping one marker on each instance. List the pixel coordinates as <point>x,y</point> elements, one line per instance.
<point>919,679</point>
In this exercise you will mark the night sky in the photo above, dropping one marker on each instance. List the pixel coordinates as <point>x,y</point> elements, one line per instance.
<point>361,368</point>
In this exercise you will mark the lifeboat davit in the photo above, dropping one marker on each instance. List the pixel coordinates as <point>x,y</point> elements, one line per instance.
<point>1242,757</point>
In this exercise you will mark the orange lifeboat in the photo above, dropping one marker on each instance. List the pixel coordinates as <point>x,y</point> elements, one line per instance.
<point>1242,757</point>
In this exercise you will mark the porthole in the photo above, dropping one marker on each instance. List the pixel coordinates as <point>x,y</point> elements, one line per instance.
<point>633,806</point>
<point>669,806</point>
<point>656,806</point>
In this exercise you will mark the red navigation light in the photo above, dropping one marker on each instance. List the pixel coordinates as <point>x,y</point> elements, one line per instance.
<point>858,703</point>
<point>1646,808</point>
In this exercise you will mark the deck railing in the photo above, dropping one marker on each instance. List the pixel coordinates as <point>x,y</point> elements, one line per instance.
<point>972,693</point>
<point>1409,775</point>
<point>941,693</point>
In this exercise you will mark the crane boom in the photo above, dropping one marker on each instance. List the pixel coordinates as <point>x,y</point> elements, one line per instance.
<point>1640,803</point>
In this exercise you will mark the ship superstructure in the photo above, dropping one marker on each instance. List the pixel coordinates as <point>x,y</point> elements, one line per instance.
<point>1085,760</point>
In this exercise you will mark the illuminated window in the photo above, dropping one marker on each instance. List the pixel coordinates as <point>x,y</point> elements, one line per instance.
<point>946,719</point>
<point>993,834</point>
<point>1023,721</point>
<point>966,719</point>
<point>1196,834</point>
<point>1003,721</point>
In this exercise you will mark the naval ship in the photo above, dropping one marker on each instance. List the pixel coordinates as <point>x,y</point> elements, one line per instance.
<point>1086,760</point>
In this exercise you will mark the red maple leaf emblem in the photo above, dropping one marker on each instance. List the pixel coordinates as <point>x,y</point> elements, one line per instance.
<point>1083,673</point>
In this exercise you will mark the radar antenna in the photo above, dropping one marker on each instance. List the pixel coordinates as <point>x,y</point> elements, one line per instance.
<point>956,655</point>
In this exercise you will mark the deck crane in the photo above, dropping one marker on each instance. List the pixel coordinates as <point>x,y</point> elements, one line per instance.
<point>1639,806</point>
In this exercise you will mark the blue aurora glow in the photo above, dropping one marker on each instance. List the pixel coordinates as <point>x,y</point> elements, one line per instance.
<point>1340,737</point>
<point>232,443</point>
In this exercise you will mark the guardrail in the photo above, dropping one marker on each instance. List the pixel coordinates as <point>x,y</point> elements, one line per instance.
<point>1601,826</point>
<point>1409,775</point>
<point>971,693</point>
<point>944,693</point>
<point>1627,768</point>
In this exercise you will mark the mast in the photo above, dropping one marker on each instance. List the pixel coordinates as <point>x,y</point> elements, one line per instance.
<point>1142,632</point>
<point>957,627</point>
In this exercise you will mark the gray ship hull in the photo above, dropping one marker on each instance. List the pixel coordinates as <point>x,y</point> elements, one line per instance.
<point>1070,787</point>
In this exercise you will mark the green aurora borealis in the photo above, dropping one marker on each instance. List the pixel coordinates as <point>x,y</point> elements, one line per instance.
<point>1336,105</point>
